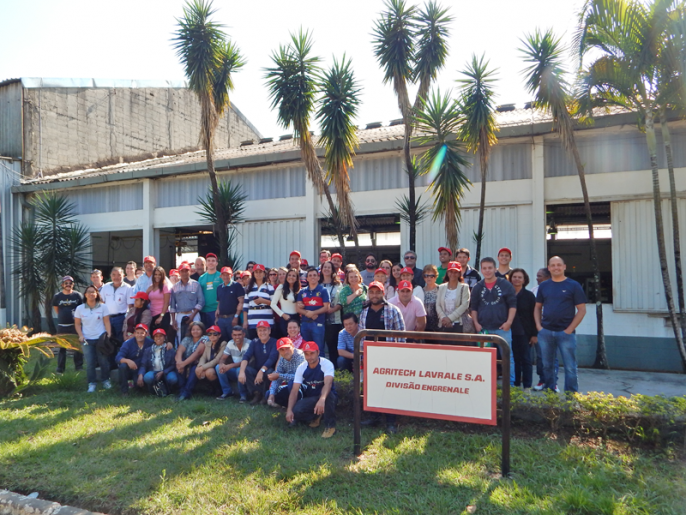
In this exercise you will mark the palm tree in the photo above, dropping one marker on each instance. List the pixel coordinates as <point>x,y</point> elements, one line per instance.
<point>629,36</point>
<point>209,61</point>
<point>411,46</point>
<point>337,109</point>
<point>479,126</point>
<point>292,86</point>
<point>546,81</point>
<point>438,120</point>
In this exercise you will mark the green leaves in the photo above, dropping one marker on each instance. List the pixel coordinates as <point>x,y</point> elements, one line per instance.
<point>231,201</point>
<point>476,102</point>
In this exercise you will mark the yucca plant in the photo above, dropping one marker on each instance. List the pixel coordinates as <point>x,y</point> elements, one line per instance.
<point>15,350</point>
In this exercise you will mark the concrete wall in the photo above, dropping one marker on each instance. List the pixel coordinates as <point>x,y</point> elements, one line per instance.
<point>72,128</point>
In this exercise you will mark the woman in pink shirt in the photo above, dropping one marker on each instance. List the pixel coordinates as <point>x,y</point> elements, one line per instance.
<point>159,294</point>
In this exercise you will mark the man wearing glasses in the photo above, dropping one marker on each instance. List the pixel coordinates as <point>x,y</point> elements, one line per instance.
<point>63,304</point>
<point>370,266</point>
<point>411,263</point>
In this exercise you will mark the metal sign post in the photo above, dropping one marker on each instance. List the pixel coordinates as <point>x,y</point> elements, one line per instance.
<point>443,339</point>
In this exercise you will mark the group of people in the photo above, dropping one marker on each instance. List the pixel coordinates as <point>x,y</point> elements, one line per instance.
<point>267,331</point>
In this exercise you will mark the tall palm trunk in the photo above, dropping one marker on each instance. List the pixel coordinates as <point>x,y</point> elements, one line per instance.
<point>667,139</point>
<point>483,159</point>
<point>600,352</point>
<point>411,176</point>
<point>659,228</point>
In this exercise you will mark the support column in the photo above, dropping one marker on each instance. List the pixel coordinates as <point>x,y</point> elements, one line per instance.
<point>150,242</point>
<point>311,230</point>
<point>539,251</point>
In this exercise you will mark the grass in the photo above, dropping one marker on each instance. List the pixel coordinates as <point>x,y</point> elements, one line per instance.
<point>148,455</point>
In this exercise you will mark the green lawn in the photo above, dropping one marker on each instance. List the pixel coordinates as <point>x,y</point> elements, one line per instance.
<point>148,455</point>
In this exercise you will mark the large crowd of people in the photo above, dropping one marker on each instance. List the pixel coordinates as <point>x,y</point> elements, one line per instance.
<point>276,335</point>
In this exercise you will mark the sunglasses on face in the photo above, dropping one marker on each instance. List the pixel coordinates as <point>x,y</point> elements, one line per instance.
<point>212,334</point>
<point>272,275</point>
<point>407,258</point>
<point>429,275</point>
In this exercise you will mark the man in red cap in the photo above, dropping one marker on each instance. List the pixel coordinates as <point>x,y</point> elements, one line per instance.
<point>315,380</point>
<point>158,363</point>
<point>410,306</point>
<point>187,301</point>
<point>230,295</point>
<point>145,280</point>
<point>444,256</point>
<point>504,259</point>
<point>258,362</point>
<point>380,314</point>
<point>295,262</point>
<point>130,357</point>
<point>337,262</point>
<point>209,282</point>
<point>289,360</point>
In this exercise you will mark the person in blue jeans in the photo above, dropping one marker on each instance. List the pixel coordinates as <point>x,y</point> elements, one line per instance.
<point>312,306</point>
<point>158,363</point>
<point>560,308</point>
<point>187,355</point>
<point>493,306</point>
<point>229,365</point>
<point>130,357</point>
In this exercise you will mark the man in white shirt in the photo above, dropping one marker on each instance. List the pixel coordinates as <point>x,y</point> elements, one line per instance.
<point>117,295</point>
<point>230,364</point>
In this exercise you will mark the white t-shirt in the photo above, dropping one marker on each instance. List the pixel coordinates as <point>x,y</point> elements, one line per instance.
<point>116,301</point>
<point>325,364</point>
<point>450,299</point>
<point>92,320</point>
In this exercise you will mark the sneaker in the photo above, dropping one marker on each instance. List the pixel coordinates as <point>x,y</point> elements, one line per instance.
<point>557,390</point>
<point>243,399</point>
<point>224,396</point>
<point>316,421</point>
<point>107,385</point>
<point>59,372</point>
<point>329,432</point>
<point>92,387</point>
<point>539,387</point>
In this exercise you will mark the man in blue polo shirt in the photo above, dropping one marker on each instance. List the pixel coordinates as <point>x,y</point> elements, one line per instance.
<point>312,305</point>
<point>560,308</point>
<point>314,379</point>
<point>130,356</point>
<point>230,297</point>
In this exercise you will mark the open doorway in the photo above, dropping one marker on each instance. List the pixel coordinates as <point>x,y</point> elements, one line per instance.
<point>378,234</point>
<point>568,238</point>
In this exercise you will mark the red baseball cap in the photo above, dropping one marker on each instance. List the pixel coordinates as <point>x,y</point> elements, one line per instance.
<point>211,254</point>
<point>263,323</point>
<point>184,266</point>
<point>404,285</point>
<point>304,262</point>
<point>380,271</point>
<point>151,259</point>
<point>245,273</point>
<point>309,346</point>
<point>159,331</point>
<point>227,270</point>
<point>142,326</point>
<point>450,252</point>
<point>283,342</point>
<point>454,265</point>
<point>505,249</point>
<point>375,284</point>
<point>173,271</point>
<point>141,295</point>
<point>337,255</point>
<point>406,270</point>
<point>294,253</point>
<point>257,267</point>
<point>214,328</point>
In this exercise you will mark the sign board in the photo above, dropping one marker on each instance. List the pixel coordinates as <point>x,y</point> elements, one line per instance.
<point>434,381</point>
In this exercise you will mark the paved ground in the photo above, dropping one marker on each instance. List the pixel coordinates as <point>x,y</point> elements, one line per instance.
<point>626,383</point>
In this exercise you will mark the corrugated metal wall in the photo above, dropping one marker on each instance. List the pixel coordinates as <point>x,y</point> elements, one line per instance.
<point>258,185</point>
<point>10,120</point>
<point>502,228</point>
<point>506,163</point>
<point>603,153</point>
<point>266,241</point>
<point>10,217</point>
<point>636,276</point>
<point>106,199</point>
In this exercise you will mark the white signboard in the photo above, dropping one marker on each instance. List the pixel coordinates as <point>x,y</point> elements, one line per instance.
<point>434,381</point>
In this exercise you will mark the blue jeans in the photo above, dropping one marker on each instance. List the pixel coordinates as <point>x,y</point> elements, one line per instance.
<point>314,332</point>
<point>550,342</point>
<point>227,377</point>
<point>345,364</point>
<point>117,323</point>
<point>507,336</point>
<point>539,365</point>
<point>95,358</point>
<point>207,318</point>
<point>226,325</point>
<point>187,384</point>
<point>125,373</point>
<point>171,379</point>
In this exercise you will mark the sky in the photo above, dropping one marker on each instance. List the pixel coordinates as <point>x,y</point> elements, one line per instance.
<point>131,39</point>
